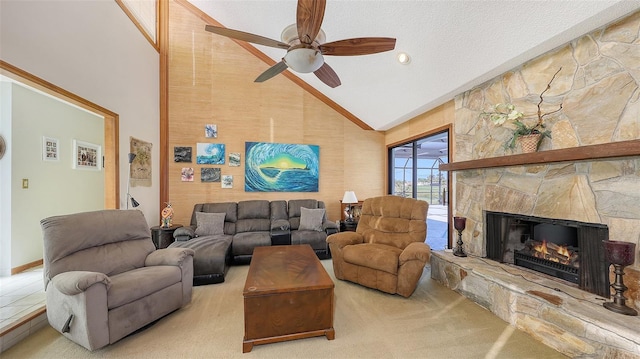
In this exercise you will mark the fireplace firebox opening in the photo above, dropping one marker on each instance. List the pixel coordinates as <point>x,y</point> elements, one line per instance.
<point>569,250</point>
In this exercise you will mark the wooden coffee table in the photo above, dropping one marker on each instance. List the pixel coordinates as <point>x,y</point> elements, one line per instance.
<point>288,295</point>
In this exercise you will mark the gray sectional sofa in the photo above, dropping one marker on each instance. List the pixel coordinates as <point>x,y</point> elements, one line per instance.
<point>226,233</point>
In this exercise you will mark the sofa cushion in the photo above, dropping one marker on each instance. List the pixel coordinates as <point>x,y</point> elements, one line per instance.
<point>253,209</point>
<point>244,243</point>
<point>130,286</point>
<point>375,256</point>
<point>211,253</point>
<point>317,240</point>
<point>209,224</point>
<point>229,208</point>
<point>311,219</point>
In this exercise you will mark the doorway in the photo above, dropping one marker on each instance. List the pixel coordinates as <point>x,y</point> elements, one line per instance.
<point>414,173</point>
<point>25,241</point>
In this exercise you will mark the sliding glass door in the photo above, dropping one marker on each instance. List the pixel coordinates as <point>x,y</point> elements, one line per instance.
<point>414,173</point>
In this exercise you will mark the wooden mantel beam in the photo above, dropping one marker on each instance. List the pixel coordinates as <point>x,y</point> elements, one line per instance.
<point>582,153</point>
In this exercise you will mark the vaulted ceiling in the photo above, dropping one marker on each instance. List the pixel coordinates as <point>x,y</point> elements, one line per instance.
<point>454,45</point>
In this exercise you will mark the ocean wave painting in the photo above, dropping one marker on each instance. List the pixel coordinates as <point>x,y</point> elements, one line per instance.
<point>210,154</point>
<point>277,167</point>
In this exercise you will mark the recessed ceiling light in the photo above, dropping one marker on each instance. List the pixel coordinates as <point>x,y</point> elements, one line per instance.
<point>403,58</point>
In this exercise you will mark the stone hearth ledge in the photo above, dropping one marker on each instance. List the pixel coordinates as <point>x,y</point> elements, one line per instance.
<point>564,317</point>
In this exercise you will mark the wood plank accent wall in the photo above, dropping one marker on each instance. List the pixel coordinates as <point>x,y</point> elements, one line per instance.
<point>210,81</point>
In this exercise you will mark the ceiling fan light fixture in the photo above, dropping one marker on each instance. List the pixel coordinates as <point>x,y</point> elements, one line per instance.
<point>304,60</point>
<point>403,58</point>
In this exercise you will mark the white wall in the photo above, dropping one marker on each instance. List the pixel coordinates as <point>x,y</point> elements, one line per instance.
<point>55,187</point>
<point>93,50</point>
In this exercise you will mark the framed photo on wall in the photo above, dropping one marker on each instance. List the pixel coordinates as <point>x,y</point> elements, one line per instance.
<point>50,149</point>
<point>87,156</point>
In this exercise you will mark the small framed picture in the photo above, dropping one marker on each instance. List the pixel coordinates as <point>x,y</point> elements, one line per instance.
<point>87,156</point>
<point>227,181</point>
<point>210,175</point>
<point>234,159</point>
<point>186,174</point>
<point>50,149</point>
<point>211,131</point>
<point>182,154</point>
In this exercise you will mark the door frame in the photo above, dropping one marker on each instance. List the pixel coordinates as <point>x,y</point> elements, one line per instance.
<point>111,127</point>
<point>446,128</point>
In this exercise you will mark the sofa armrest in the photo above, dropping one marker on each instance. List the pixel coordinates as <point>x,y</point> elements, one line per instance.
<point>184,233</point>
<point>280,225</point>
<point>168,257</point>
<point>76,282</point>
<point>343,239</point>
<point>415,251</point>
<point>330,227</point>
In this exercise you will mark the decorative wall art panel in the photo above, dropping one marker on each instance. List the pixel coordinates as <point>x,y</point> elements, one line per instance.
<point>182,154</point>
<point>186,175</point>
<point>210,154</point>
<point>227,181</point>
<point>277,167</point>
<point>211,131</point>
<point>210,175</point>
<point>141,169</point>
<point>234,159</point>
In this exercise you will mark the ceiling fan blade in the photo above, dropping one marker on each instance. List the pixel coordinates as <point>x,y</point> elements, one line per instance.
<point>245,36</point>
<point>328,76</point>
<point>272,71</point>
<point>358,46</point>
<point>309,19</point>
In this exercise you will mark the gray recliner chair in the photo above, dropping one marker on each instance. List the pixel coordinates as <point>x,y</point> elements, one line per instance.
<point>104,279</point>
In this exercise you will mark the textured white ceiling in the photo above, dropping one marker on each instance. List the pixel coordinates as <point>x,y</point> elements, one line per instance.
<point>454,45</point>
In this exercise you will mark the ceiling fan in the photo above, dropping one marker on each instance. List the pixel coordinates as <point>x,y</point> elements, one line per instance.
<point>304,42</point>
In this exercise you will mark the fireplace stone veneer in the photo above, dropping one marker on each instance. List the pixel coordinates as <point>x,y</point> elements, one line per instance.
<point>566,318</point>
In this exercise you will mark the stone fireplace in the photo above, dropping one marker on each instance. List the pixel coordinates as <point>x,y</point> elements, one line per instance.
<point>599,89</point>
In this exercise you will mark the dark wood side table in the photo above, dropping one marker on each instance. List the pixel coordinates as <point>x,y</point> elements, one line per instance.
<point>163,237</point>
<point>348,226</point>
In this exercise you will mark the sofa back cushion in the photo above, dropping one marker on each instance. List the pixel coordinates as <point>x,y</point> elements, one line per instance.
<point>253,216</point>
<point>295,210</point>
<point>228,208</point>
<point>393,220</point>
<point>279,210</point>
<point>106,241</point>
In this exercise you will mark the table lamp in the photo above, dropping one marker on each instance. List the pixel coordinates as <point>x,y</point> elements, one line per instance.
<point>349,198</point>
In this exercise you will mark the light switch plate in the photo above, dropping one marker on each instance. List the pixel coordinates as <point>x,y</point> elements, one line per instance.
<point>25,183</point>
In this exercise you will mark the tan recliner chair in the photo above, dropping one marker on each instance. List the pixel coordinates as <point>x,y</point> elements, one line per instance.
<point>104,279</point>
<point>388,250</point>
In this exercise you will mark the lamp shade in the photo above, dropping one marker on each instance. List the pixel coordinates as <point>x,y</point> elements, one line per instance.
<point>304,60</point>
<point>349,197</point>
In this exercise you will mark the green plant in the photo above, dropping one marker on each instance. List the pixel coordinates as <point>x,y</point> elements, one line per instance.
<point>500,113</point>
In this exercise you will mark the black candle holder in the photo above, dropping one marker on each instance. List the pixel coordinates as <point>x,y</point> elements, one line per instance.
<point>620,254</point>
<point>459,223</point>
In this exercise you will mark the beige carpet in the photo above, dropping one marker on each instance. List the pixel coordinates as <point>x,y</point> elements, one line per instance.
<point>434,322</point>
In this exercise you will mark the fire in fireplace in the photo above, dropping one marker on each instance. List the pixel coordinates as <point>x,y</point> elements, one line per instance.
<point>569,250</point>
<point>552,252</point>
